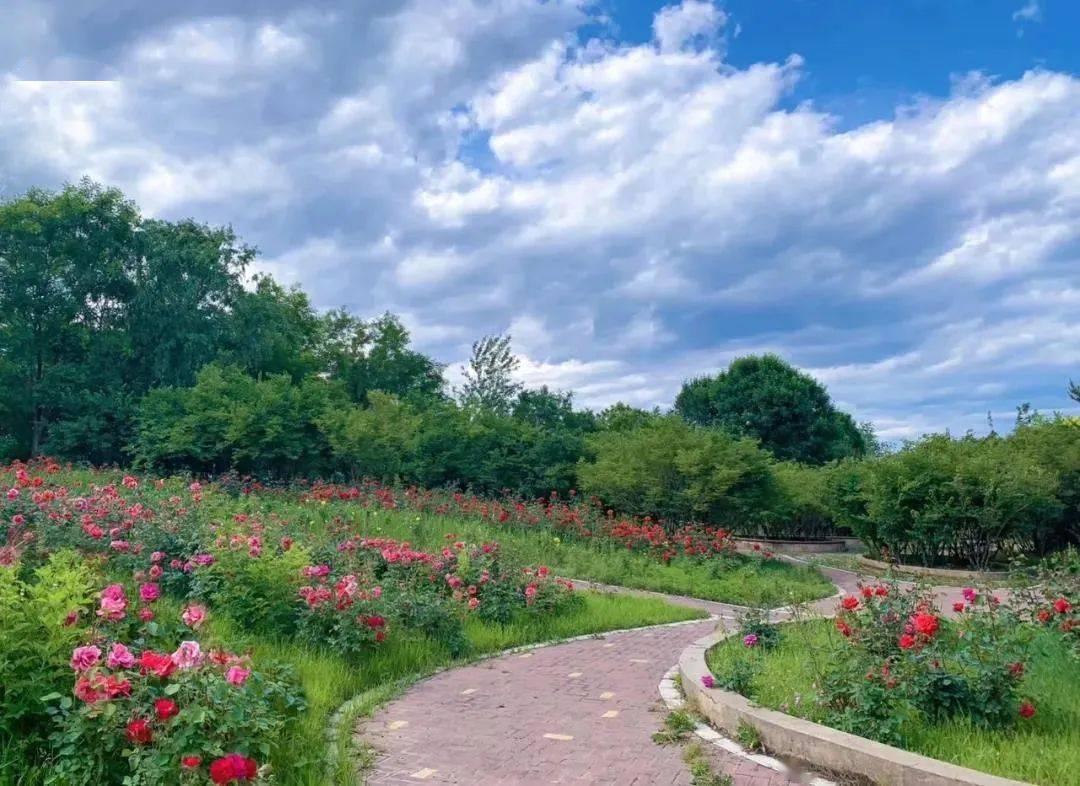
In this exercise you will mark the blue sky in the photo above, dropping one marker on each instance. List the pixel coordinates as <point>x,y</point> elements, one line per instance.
<point>887,194</point>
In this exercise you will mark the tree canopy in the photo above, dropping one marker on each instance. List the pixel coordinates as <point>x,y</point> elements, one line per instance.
<point>766,398</point>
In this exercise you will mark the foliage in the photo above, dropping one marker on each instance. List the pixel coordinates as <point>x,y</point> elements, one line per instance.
<point>672,470</point>
<point>766,398</point>
<point>963,502</point>
<point>489,384</point>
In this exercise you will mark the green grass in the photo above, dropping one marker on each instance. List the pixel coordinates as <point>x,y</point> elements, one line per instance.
<point>330,680</point>
<point>740,580</point>
<point>1044,749</point>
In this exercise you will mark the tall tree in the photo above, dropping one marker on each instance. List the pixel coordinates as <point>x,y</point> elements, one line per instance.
<point>375,355</point>
<point>63,258</point>
<point>788,411</point>
<point>1074,391</point>
<point>489,376</point>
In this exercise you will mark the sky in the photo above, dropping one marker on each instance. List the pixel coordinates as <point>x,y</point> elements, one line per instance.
<point>885,194</point>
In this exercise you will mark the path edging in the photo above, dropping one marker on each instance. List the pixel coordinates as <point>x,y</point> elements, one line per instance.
<point>944,573</point>
<point>673,698</point>
<point>834,750</point>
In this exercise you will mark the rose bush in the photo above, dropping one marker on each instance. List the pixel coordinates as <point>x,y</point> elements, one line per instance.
<point>901,660</point>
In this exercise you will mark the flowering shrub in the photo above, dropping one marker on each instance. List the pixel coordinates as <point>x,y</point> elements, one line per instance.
<point>165,718</point>
<point>900,660</point>
<point>340,611</point>
<point>1052,601</point>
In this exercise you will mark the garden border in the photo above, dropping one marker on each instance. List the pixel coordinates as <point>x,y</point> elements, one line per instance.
<point>790,546</point>
<point>918,570</point>
<point>835,750</point>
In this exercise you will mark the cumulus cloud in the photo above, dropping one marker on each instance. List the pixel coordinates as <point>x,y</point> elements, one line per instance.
<point>634,214</point>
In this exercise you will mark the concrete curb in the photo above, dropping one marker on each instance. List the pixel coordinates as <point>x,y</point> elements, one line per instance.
<point>944,573</point>
<point>669,692</point>
<point>826,747</point>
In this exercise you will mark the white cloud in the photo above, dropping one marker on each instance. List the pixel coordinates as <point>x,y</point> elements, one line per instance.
<point>634,214</point>
<point>675,26</point>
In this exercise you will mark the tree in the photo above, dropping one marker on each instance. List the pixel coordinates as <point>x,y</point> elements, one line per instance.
<point>1074,391</point>
<point>63,259</point>
<point>766,398</point>
<point>489,382</point>
<point>375,355</point>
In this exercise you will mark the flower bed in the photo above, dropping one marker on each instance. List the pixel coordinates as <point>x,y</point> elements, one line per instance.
<point>160,632</point>
<point>986,691</point>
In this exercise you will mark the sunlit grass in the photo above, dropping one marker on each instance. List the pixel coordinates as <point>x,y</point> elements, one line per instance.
<point>740,580</point>
<point>1044,749</point>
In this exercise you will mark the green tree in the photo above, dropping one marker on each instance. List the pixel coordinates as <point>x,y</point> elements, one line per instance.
<point>63,258</point>
<point>274,330</point>
<point>375,355</point>
<point>489,376</point>
<point>378,441</point>
<point>766,398</point>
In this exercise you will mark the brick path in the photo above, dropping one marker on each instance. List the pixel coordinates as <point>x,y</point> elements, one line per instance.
<point>582,712</point>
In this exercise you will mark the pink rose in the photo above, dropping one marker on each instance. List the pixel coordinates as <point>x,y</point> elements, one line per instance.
<point>149,592</point>
<point>120,657</point>
<point>194,615</point>
<point>237,676</point>
<point>83,658</point>
<point>188,656</point>
<point>113,604</point>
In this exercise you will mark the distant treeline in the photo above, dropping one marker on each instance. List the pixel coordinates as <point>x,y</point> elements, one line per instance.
<point>139,341</point>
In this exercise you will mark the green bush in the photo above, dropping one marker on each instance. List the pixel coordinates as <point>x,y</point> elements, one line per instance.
<point>38,633</point>
<point>678,472</point>
<point>966,502</point>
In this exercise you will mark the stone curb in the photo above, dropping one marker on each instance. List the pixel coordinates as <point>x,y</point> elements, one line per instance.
<point>834,750</point>
<point>673,698</point>
<point>946,573</point>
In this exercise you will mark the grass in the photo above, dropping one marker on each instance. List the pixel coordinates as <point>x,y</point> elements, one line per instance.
<point>740,580</point>
<point>330,680</point>
<point>1044,749</point>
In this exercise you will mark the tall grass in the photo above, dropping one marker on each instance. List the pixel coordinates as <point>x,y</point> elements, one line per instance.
<point>741,580</point>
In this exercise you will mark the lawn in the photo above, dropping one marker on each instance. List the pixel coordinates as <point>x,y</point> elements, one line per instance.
<point>740,580</point>
<point>1044,749</point>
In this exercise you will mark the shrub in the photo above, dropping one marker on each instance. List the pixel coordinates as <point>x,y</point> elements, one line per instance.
<point>161,718</point>
<point>674,471</point>
<point>964,502</point>
<point>900,660</point>
<point>42,620</point>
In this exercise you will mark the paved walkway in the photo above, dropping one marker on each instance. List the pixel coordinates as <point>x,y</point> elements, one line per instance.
<point>582,712</point>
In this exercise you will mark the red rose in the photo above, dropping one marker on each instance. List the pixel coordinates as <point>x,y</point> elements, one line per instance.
<point>165,709</point>
<point>1061,606</point>
<point>190,762</point>
<point>1027,709</point>
<point>843,627</point>
<point>867,592</point>
<point>907,641</point>
<point>958,606</point>
<point>881,590</point>
<point>233,767</point>
<point>1043,616</point>
<point>156,663</point>
<point>138,731</point>
<point>850,603</point>
<point>926,624</point>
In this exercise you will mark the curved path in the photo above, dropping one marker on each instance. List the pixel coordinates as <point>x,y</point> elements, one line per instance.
<point>581,712</point>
